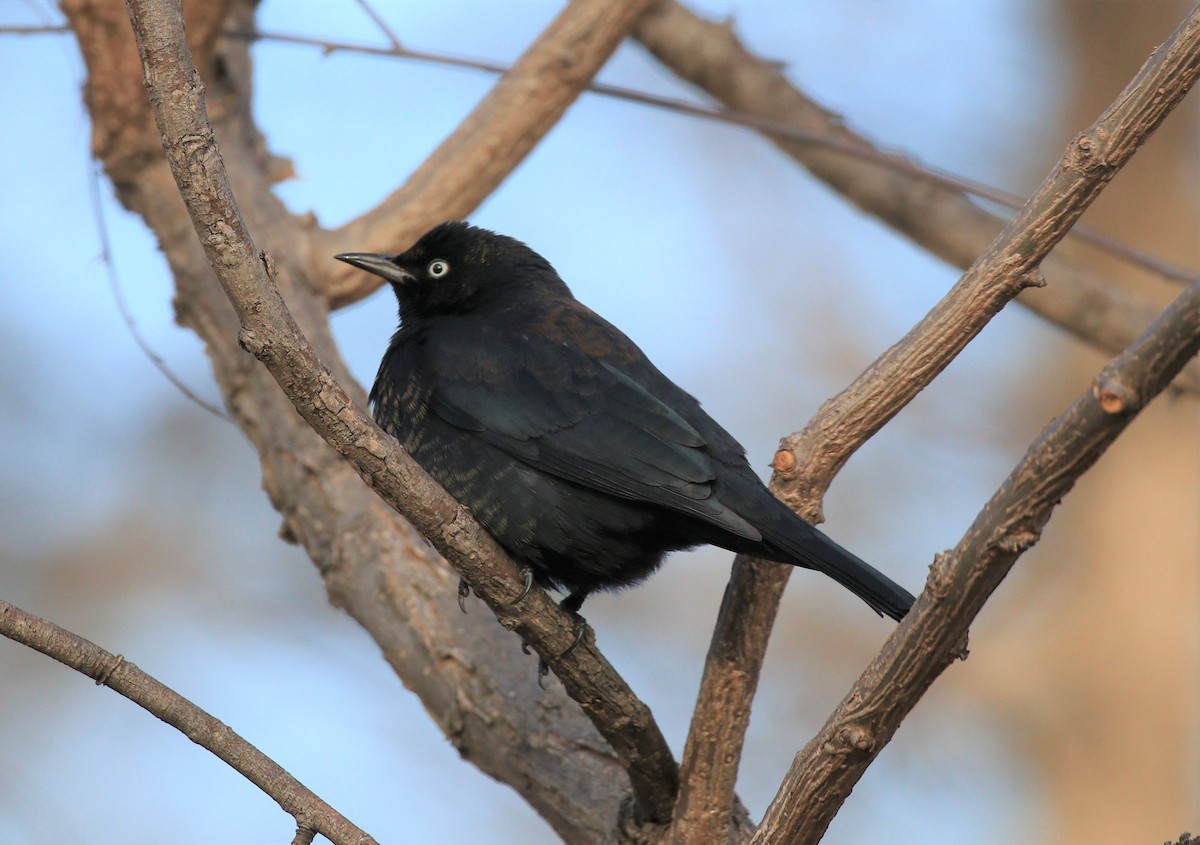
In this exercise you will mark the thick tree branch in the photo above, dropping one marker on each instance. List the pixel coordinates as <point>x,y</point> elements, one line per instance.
<point>270,333</point>
<point>115,672</point>
<point>517,113</point>
<point>936,216</point>
<point>808,461</point>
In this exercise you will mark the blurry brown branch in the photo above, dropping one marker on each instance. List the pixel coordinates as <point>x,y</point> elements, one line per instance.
<point>934,215</point>
<point>117,673</point>
<point>269,332</point>
<point>500,131</point>
<point>808,461</point>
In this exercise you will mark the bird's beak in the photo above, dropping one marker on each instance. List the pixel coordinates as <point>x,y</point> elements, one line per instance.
<point>383,266</point>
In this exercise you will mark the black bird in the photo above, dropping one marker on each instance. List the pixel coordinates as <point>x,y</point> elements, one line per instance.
<point>583,460</point>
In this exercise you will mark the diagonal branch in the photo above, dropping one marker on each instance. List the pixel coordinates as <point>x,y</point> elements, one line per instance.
<point>115,672</point>
<point>497,135</point>
<point>808,461</point>
<point>961,580</point>
<point>937,217</point>
<point>270,333</point>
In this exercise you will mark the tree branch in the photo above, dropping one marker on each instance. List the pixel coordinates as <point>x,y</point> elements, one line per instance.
<point>497,135</point>
<point>934,633</point>
<point>808,461</point>
<point>117,673</point>
<point>935,216</point>
<point>270,333</point>
<point>961,580</point>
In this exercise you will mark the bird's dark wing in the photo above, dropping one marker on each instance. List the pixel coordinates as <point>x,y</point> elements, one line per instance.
<point>575,416</point>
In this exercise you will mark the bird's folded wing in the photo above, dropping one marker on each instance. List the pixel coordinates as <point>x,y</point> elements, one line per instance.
<point>583,420</point>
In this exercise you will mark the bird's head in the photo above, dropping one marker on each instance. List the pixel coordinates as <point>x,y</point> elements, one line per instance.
<point>456,268</point>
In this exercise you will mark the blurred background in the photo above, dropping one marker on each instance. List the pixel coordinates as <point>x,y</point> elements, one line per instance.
<point>132,517</point>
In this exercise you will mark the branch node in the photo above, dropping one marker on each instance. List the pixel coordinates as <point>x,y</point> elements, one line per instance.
<point>1017,540</point>
<point>249,340</point>
<point>115,664</point>
<point>784,461</point>
<point>961,650</point>
<point>1085,154</point>
<point>941,575</point>
<point>268,264</point>
<point>1114,395</point>
<point>856,738</point>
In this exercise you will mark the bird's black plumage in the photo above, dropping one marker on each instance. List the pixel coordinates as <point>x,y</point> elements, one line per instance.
<point>583,460</point>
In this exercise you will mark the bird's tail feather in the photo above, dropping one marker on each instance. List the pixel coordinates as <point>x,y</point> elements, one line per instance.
<point>820,553</point>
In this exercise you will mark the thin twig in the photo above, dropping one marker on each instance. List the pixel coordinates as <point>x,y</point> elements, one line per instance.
<point>269,332</point>
<point>42,29</point>
<point>853,147</point>
<point>117,673</point>
<point>114,284</point>
<point>808,461</point>
<point>387,31</point>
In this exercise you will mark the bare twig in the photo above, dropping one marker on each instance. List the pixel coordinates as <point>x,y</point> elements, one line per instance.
<point>843,142</point>
<point>117,673</point>
<point>42,29</point>
<point>114,284</point>
<point>378,20</point>
<point>808,461</point>
<point>269,332</point>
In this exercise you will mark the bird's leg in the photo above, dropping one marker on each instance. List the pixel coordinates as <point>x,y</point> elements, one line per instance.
<point>464,590</point>
<point>573,602</point>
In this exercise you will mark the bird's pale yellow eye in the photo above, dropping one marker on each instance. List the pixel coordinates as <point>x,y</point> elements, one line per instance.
<point>438,268</point>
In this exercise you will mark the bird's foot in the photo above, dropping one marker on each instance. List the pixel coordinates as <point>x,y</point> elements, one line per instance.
<point>464,591</point>
<point>580,627</point>
<point>527,575</point>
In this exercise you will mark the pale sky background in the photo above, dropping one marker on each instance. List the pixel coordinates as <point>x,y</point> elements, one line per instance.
<point>130,516</point>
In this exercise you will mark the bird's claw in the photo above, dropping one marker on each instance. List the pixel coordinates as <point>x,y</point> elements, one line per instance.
<point>464,591</point>
<point>543,667</point>
<point>527,575</point>
<point>580,625</point>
